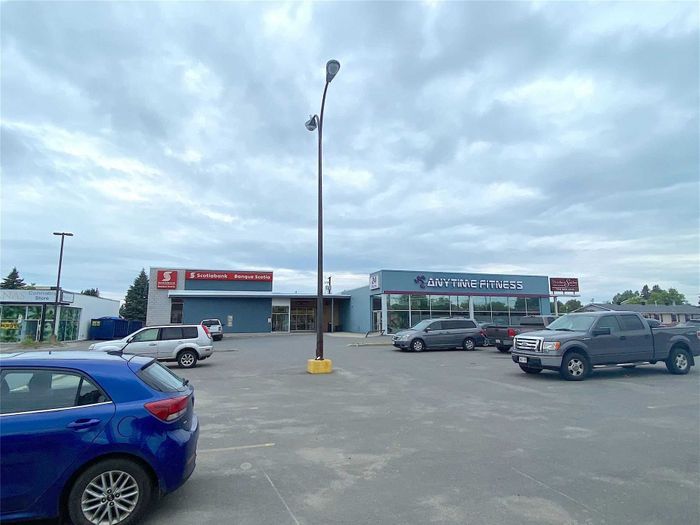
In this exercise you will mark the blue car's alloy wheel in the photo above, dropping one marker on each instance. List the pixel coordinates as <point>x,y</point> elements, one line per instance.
<point>110,498</point>
<point>113,492</point>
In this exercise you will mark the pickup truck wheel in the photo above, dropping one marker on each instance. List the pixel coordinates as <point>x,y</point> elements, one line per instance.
<point>678,361</point>
<point>574,367</point>
<point>503,349</point>
<point>468,344</point>
<point>530,370</point>
<point>417,345</point>
<point>187,359</point>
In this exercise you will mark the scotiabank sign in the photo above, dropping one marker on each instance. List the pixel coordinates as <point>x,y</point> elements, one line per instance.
<point>166,280</point>
<point>563,284</point>
<point>207,275</point>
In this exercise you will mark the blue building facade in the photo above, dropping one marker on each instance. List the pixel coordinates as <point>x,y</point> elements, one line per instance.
<point>398,299</point>
<point>244,301</point>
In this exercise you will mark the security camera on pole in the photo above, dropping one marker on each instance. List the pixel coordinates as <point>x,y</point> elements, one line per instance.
<point>319,365</point>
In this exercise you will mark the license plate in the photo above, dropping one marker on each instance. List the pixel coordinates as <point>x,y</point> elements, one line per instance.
<point>498,341</point>
<point>522,359</point>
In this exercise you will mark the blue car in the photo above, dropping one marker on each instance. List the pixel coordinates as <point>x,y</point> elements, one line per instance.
<point>91,436</point>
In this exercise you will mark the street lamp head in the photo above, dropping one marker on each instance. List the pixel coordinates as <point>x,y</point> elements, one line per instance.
<point>67,234</point>
<point>312,123</point>
<point>332,68</point>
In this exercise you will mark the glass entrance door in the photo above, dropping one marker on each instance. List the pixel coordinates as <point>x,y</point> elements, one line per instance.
<point>303,316</point>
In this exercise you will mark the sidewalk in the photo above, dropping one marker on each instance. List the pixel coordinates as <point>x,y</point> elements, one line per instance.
<point>8,348</point>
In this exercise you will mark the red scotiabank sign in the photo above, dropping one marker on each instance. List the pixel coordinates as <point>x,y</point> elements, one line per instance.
<point>208,275</point>
<point>166,279</point>
<point>563,284</point>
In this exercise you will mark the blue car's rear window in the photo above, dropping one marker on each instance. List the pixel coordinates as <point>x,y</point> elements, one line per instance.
<point>161,378</point>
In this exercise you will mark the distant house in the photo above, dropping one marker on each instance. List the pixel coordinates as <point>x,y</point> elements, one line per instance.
<point>664,313</point>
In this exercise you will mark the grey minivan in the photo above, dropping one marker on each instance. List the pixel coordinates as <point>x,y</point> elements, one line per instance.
<point>432,334</point>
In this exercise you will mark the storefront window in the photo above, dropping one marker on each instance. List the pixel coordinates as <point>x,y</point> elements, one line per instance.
<point>439,302</point>
<point>419,302</point>
<point>499,304</point>
<point>501,318</point>
<point>68,324</point>
<point>457,304</point>
<point>533,305</point>
<point>481,304</point>
<point>398,302</point>
<point>397,321</point>
<point>419,315</point>
<point>280,318</point>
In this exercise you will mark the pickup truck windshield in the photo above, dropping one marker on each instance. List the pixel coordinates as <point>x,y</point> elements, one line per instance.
<point>577,323</point>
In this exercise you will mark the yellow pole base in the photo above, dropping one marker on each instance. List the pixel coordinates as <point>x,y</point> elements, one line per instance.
<point>319,366</point>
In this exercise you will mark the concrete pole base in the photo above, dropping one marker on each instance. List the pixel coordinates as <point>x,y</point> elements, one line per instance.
<point>319,366</point>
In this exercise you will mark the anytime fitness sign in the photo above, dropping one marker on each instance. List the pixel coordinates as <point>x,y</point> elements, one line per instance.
<point>206,275</point>
<point>476,284</point>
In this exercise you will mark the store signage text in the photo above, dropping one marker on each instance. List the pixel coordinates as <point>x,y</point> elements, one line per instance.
<point>166,280</point>
<point>28,296</point>
<point>374,281</point>
<point>563,284</point>
<point>478,284</point>
<point>199,275</point>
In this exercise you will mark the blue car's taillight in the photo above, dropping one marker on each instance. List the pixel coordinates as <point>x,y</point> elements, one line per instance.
<point>168,409</point>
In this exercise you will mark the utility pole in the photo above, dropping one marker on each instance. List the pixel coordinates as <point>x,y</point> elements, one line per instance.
<point>54,332</point>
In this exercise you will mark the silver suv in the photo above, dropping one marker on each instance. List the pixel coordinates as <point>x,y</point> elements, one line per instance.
<point>449,332</point>
<point>185,344</point>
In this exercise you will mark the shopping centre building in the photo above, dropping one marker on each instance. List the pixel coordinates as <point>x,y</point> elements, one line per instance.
<point>244,301</point>
<point>28,314</point>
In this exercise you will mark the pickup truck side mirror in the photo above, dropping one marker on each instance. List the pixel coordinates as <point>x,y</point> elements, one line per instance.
<point>427,330</point>
<point>601,331</point>
<point>129,339</point>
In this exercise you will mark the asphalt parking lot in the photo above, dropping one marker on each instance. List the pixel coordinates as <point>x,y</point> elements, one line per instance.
<point>436,437</point>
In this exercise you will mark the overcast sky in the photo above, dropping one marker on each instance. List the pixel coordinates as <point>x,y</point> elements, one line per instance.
<point>552,139</point>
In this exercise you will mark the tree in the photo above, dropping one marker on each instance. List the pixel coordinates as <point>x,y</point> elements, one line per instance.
<point>645,292</point>
<point>570,306</point>
<point>13,281</point>
<point>627,295</point>
<point>656,295</point>
<point>95,292</point>
<point>136,300</point>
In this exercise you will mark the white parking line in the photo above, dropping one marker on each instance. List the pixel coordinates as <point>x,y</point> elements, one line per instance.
<point>280,497</point>
<point>241,447</point>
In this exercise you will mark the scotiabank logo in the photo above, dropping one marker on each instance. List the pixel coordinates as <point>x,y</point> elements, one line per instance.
<point>166,280</point>
<point>205,275</point>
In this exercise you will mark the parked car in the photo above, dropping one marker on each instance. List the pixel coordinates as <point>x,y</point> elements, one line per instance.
<point>575,343</point>
<point>91,436</point>
<point>502,336</point>
<point>431,334</point>
<point>215,327</point>
<point>185,344</point>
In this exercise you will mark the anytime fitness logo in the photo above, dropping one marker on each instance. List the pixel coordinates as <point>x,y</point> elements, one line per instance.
<point>489,284</point>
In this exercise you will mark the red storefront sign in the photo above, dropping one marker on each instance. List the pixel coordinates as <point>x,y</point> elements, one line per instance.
<point>563,284</point>
<point>166,280</point>
<point>208,275</point>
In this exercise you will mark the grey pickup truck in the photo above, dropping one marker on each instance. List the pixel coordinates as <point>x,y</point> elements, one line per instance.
<point>576,343</point>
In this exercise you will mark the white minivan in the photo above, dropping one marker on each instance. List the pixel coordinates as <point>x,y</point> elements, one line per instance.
<point>185,344</point>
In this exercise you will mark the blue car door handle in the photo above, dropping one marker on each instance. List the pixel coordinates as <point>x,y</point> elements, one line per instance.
<point>623,337</point>
<point>80,424</point>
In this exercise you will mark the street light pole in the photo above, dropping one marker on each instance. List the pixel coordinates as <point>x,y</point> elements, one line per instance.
<point>54,332</point>
<point>332,68</point>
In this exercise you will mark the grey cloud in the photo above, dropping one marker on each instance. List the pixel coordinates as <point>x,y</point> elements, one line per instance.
<point>456,139</point>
